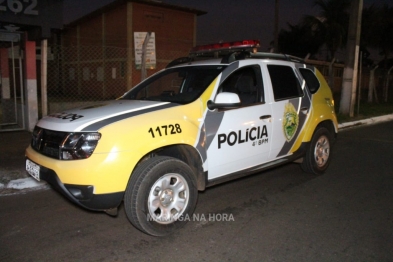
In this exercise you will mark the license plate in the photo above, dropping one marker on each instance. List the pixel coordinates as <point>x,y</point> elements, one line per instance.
<point>33,169</point>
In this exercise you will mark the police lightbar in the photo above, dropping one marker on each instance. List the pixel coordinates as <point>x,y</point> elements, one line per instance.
<point>242,45</point>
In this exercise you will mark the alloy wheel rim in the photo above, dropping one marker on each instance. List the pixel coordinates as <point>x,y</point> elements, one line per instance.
<point>168,198</point>
<point>322,151</point>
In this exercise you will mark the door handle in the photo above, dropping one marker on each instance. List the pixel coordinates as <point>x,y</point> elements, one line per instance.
<point>265,117</point>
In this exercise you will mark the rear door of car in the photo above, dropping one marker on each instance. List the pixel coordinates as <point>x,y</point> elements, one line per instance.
<point>290,102</point>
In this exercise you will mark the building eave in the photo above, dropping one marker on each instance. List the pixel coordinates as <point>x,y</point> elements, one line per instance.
<point>117,3</point>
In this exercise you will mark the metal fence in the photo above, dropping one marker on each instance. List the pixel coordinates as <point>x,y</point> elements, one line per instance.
<point>80,76</point>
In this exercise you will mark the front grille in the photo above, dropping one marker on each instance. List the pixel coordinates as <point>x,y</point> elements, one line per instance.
<point>48,142</point>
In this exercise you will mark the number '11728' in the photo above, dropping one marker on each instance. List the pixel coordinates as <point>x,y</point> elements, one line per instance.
<point>165,130</point>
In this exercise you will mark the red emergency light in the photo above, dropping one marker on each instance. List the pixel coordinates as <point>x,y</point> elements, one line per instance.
<point>244,44</point>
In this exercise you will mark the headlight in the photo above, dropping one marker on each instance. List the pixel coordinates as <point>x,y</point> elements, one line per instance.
<point>79,145</point>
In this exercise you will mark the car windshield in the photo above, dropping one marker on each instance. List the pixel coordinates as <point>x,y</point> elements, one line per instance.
<point>177,85</point>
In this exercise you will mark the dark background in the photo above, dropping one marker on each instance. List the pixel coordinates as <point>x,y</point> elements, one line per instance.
<point>227,20</point>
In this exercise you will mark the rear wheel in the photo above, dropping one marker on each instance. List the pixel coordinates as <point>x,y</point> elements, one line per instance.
<point>160,195</point>
<point>318,155</point>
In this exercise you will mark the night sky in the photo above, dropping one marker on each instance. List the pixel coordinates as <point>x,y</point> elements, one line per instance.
<point>227,20</point>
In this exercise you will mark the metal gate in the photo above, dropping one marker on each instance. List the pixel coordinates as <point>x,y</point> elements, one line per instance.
<point>12,102</point>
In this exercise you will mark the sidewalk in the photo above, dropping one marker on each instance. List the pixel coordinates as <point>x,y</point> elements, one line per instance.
<point>14,179</point>
<point>13,176</point>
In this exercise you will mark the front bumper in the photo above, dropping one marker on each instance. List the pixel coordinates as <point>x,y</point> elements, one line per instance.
<point>97,183</point>
<point>81,195</point>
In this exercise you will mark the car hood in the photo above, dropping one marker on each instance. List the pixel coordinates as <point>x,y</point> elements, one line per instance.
<point>96,116</point>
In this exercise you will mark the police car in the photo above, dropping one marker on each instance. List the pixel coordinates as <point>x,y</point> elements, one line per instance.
<point>224,112</point>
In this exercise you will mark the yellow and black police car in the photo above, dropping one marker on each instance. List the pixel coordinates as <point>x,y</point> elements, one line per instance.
<point>194,124</point>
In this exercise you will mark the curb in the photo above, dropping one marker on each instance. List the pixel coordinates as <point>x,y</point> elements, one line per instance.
<point>29,183</point>
<point>369,121</point>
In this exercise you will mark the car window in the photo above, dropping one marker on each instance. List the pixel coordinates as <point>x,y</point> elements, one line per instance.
<point>311,79</point>
<point>247,83</point>
<point>284,82</point>
<point>178,85</point>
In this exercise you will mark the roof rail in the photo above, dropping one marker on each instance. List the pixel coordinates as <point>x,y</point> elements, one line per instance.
<point>234,56</point>
<point>276,56</point>
<point>229,57</point>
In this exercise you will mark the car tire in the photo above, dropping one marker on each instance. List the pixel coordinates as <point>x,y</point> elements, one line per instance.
<point>318,154</point>
<point>161,195</point>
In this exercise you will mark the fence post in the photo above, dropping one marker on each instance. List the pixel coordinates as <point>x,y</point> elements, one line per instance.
<point>387,85</point>
<point>360,79</point>
<point>144,47</point>
<point>44,100</point>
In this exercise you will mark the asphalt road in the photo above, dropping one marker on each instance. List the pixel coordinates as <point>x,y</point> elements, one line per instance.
<point>280,215</point>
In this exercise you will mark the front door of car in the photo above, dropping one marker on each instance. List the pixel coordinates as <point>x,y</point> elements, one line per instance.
<point>239,138</point>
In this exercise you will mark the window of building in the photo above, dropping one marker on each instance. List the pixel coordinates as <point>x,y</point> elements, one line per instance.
<point>71,73</point>
<point>100,74</point>
<point>86,73</point>
<point>122,69</point>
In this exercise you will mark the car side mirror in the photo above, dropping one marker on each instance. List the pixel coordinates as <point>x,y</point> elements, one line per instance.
<point>224,100</point>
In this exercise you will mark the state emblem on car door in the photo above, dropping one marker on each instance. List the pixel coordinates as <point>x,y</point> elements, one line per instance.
<point>290,121</point>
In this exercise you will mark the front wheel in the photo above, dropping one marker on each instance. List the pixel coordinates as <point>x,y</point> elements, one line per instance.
<point>318,154</point>
<point>160,195</point>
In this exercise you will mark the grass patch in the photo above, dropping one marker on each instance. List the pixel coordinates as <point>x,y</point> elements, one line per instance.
<point>367,110</point>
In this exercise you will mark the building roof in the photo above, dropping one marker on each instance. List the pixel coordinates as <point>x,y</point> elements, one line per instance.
<point>117,3</point>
